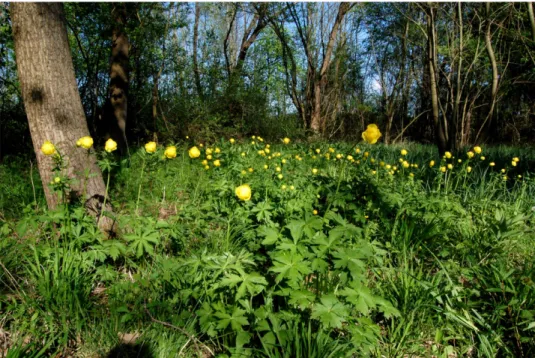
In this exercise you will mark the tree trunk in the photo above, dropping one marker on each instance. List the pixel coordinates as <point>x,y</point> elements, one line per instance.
<point>320,82</point>
<point>431,58</point>
<point>119,72</point>
<point>52,101</point>
<point>195,43</point>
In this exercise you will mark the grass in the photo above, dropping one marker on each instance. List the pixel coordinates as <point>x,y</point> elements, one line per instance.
<point>405,262</point>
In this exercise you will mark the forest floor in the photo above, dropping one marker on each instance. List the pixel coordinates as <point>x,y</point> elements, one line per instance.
<point>282,250</point>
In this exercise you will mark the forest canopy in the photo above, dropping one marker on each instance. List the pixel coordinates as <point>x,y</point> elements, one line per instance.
<point>460,73</point>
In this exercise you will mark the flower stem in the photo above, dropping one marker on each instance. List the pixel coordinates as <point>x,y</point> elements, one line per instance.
<point>105,195</point>
<point>140,185</point>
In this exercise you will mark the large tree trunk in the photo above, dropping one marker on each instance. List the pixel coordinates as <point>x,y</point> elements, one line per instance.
<point>119,72</point>
<point>52,101</point>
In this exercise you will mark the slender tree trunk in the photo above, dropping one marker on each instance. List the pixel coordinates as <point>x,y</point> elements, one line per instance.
<point>431,58</point>
<point>321,81</point>
<point>119,72</point>
<point>195,43</point>
<point>52,101</point>
<point>531,20</point>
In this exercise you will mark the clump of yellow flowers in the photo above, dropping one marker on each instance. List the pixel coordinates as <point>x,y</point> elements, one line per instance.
<point>170,152</point>
<point>243,192</point>
<point>85,142</point>
<point>150,147</point>
<point>371,134</point>
<point>194,152</point>
<point>110,145</point>
<point>48,148</point>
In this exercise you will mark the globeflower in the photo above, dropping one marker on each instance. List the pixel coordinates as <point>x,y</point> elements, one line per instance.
<point>170,152</point>
<point>232,140</point>
<point>110,145</point>
<point>447,155</point>
<point>468,169</point>
<point>217,163</point>
<point>286,140</point>
<point>470,154</point>
<point>371,134</point>
<point>48,148</point>
<point>477,149</point>
<point>314,171</point>
<point>404,152</point>
<point>85,142</point>
<point>150,147</point>
<point>194,152</point>
<point>443,169</point>
<point>243,192</point>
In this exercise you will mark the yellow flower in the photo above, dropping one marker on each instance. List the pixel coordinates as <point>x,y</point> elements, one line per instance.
<point>468,169</point>
<point>318,151</point>
<point>477,149</point>
<point>253,137</point>
<point>206,167</point>
<point>243,154</point>
<point>170,152</point>
<point>450,166</point>
<point>443,169</point>
<point>405,164</point>
<point>204,162</point>
<point>265,166</point>
<point>283,161</point>
<point>470,154</point>
<point>492,164</point>
<point>482,158</point>
<point>278,169</point>
<point>513,163</point>
<point>48,148</point>
<point>286,140</point>
<point>231,140</point>
<point>350,158</point>
<point>85,142</point>
<point>505,178</point>
<point>150,147</point>
<point>292,187</point>
<point>366,154</point>
<point>57,180</point>
<point>516,159</point>
<point>357,150</point>
<point>404,152</point>
<point>194,152</point>
<point>209,150</point>
<point>217,150</point>
<point>243,192</point>
<point>411,175</point>
<point>503,171</point>
<point>250,170</point>
<point>110,145</point>
<point>243,172</point>
<point>253,142</point>
<point>374,172</point>
<point>459,160</point>
<point>314,171</point>
<point>283,187</point>
<point>217,163</point>
<point>280,176</point>
<point>371,134</point>
<point>266,150</point>
<point>447,155</point>
<point>314,212</point>
<point>338,156</point>
<point>209,157</point>
<point>388,166</point>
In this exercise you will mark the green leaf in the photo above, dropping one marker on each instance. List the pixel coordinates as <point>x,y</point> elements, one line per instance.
<point>271,235</point>
<point>296,230</point>
<point>330,312</point>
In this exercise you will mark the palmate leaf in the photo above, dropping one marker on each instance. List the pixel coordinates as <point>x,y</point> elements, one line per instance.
<point>271,234</point>
<point>330,312</point>
<point>290,266</point>
<point>143,242</point>
<point>302,298</point>
<point>237,320</point>
<point>296,229</point>
<point>252,283</point>
<point>364,300</point>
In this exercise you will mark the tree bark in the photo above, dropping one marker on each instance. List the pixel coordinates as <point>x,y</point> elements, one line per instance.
<point>319,84</point>
<point>431,58</point>
<point>195,43</point>
<point>119,72</point>
<point>52,101</point>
